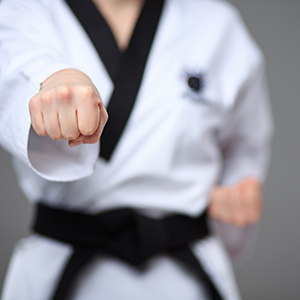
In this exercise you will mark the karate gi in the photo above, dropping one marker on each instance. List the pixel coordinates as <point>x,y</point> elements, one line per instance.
<point>178,143</point>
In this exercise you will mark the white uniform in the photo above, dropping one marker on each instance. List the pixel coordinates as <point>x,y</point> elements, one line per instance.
<point>177,144</point>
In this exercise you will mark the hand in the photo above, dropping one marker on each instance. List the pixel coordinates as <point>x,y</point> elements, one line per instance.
<point>68,106</point>
<point>239,204</point>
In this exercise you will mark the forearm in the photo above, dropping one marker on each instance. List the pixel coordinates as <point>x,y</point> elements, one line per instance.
<point>30,53</point>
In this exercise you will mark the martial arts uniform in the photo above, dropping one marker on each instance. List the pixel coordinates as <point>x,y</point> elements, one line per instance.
<point>200,118</point>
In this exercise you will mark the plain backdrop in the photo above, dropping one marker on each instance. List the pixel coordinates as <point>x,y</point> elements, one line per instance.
<point>273,271</point>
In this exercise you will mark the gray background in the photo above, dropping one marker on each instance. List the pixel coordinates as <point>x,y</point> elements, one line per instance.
<point>273,271</point>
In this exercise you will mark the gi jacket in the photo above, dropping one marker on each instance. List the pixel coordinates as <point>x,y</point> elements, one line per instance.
<point>201,117</point>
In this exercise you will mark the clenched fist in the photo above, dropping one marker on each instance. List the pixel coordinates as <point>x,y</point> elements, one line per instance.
<point>240,204</point>
<point>68,106</point>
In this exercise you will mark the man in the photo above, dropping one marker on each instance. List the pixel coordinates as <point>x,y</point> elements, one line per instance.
<point>189,129</point>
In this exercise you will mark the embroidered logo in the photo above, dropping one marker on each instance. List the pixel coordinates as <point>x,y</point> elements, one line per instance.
<point>195,83</point>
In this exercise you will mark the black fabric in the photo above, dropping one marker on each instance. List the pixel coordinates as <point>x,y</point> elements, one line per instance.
<point>76,262</point>
<point>124,234</point>
<point>186,255</point>
<point>99,33</point>
<point>125,68</point>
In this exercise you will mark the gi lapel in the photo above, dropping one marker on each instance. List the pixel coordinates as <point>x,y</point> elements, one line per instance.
<point>125,68</point>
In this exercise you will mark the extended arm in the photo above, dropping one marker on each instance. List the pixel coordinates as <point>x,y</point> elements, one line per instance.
<point>34,52</point>
<point>68,106</point>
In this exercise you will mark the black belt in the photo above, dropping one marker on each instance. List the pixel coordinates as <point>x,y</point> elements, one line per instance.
<point>124,234</point>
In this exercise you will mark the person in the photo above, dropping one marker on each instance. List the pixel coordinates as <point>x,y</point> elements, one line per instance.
<point>173,94</point>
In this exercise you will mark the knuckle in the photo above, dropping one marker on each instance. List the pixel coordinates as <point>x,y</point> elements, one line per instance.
<point>86,91</point>
<point>47,97</point>
<point>64,92</point>
<point>34,103</point>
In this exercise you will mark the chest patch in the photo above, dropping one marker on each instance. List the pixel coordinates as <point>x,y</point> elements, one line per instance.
<point>195,86</point>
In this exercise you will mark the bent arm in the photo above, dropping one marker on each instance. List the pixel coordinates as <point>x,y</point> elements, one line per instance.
<point>245,141</point>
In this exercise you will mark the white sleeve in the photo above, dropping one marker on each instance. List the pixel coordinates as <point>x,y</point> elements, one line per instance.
<point>245,137</point>
<point>246,134</point>
<point>245,140</point>
<point>31,49</point>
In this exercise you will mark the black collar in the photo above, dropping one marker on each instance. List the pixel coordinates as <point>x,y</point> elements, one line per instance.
<point>125,68</point>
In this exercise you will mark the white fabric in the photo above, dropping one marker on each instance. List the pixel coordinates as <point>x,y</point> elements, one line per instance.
<point>176,146</point>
